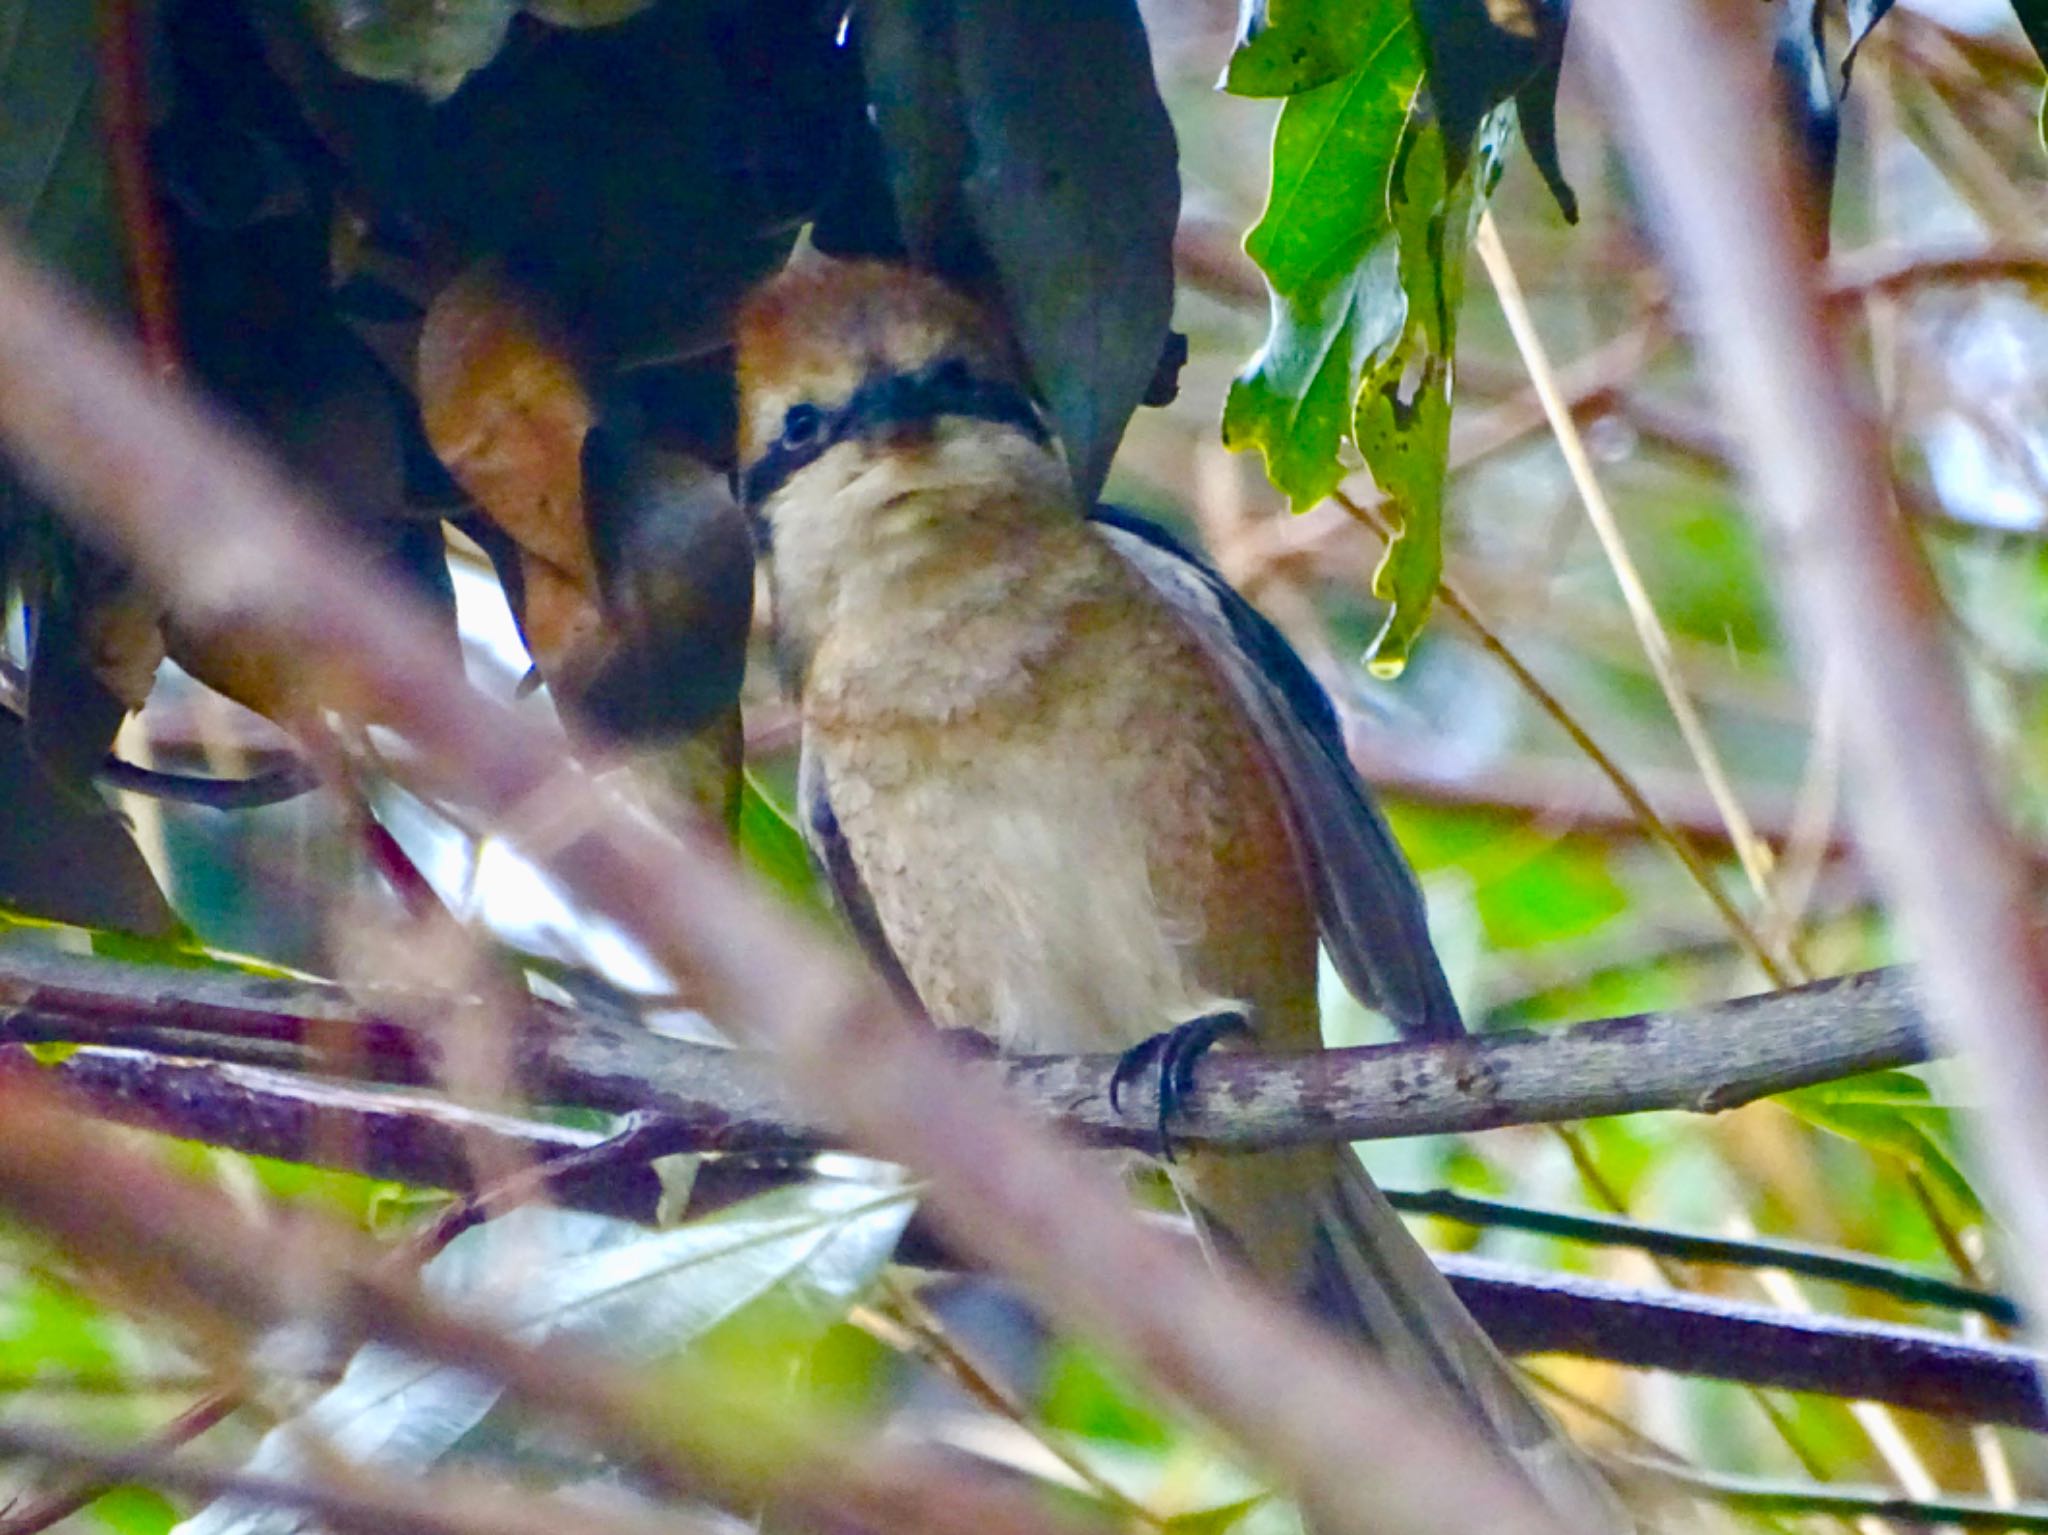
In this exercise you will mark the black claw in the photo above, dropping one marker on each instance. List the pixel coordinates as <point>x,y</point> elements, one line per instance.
<point>1175,1052</point>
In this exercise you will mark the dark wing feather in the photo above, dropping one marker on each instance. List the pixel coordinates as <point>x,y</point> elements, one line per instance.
<point>821,834</point>
<point>1367,899</point>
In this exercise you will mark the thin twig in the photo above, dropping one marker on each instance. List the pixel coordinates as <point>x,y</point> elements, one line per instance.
<point>81,1487</point>
<point>917,1329</point>
<point>1875,1274</point>
<point>1754,857</point>
<point>1756,1495</point>
<point>1654,824</point>
<point>368,1505</point>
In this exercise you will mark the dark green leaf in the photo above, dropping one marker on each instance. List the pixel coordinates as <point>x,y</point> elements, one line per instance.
<point>2033,18</point>
<point>1075,189</point>
<point>997,119</point>
<point>54,183</point>
<point>65,857</point>
<point>1536,110</point>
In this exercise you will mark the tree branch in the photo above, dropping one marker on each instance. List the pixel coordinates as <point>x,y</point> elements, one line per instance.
<point>1701,1059</point>
<point>1933,1372</point>
<point>424,1141</point>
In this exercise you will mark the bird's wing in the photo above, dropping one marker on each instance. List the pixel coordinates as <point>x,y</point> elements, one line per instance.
<point>821,834</point>
<point>1368,902</point>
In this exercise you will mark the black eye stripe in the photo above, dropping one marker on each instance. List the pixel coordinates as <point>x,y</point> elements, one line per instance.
<point>946,388</point>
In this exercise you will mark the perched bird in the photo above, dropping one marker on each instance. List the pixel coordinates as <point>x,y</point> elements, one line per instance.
<point>1071,791</point>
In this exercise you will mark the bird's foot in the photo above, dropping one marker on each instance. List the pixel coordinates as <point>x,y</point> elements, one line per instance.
<point>1173,1053</point>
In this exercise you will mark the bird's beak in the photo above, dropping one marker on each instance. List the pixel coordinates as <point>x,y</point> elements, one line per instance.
<point>908,436</point>
<point>904,421</point>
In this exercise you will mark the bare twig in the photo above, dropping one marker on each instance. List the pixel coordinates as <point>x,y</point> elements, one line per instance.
<point>1899,1280</point>
<point>1918,1368</point>
<point>1691,84</point>
<point>1755,1495</point>
<point>1754,857</point>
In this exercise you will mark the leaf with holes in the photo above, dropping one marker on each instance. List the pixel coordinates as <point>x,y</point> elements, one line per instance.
<point>1327,245</point>
<point>1402,422</point>
<point>1285,47</point>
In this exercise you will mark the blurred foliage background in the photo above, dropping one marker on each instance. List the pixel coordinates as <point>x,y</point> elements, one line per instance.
<point>334,195</point>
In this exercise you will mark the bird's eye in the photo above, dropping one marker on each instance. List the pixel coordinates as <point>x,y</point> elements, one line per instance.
<point>952,375</point>
<point>803,426</point>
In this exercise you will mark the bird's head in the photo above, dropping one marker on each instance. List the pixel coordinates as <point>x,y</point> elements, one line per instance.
<point>863,384</point>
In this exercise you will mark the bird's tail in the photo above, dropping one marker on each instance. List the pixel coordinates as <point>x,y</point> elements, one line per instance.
<point>1370,1277</point>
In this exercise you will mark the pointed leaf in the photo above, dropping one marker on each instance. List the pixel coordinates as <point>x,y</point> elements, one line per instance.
<point>1074,186</point>
<point>55,186</point>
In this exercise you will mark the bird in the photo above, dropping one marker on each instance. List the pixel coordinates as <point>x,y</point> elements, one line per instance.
<point>1073,793</point>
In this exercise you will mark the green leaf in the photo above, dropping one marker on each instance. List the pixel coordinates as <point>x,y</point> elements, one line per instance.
<point>1295,402</point>
<point>54,182</point>
<point>430,45</point>
<point>1029,137</point>
<point>134,1511</point>
<point>1327,246</point>
<point>1403,420</point>
<point>1895,1114</point>
<point>1073,182</point>
<point>773,848</point>
<point>1363,244</point>
<point>1285,47</point>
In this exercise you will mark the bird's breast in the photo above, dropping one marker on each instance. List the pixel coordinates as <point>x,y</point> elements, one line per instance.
<point>1067,829</point>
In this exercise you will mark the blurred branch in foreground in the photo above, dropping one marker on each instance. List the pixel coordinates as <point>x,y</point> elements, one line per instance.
<point>424,1141</point>
<point>229,1274</point>
<point>713,1099</point>
<point>1699,118</point>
